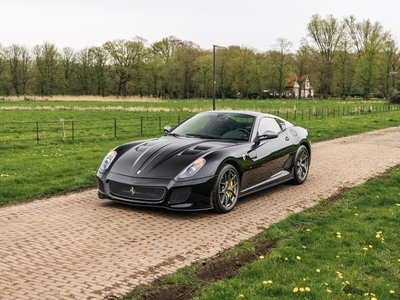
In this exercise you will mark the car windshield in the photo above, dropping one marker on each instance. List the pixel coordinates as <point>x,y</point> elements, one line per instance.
<point>217,125</point>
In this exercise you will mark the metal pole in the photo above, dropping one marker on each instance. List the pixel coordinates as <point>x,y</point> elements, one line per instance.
<point>214,82</point>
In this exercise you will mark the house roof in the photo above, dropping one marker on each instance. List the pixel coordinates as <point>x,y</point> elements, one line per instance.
<point>292,81</point>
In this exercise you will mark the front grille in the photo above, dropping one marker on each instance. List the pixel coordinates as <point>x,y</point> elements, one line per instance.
<point>135,192</point>
<point>180,195</point>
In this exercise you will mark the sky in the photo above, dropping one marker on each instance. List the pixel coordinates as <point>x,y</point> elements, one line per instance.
<point>256,24</point>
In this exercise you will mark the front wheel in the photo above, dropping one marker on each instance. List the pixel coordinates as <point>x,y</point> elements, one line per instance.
<point>226,189</point>
<point>301,165</point>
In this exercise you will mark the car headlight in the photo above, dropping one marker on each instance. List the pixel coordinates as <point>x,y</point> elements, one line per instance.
<point>108,160</point>
<point>193,168</point>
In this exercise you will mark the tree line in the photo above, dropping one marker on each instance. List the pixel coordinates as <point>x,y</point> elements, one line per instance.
<point>341,58</point>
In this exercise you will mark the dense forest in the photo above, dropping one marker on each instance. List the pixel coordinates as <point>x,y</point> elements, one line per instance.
<point>342,58</point>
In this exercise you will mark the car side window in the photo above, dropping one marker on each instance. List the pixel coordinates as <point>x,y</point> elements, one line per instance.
<point>268,124</point>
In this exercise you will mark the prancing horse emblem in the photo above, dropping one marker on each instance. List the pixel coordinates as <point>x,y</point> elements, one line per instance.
<point>132,190</point>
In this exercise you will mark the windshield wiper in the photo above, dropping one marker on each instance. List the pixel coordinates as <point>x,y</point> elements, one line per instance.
<point>173,134</point>
<point>203,136</point>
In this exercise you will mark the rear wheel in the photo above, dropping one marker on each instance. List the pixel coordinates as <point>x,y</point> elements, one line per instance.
<point>301,165</point>
<point>226,189</point>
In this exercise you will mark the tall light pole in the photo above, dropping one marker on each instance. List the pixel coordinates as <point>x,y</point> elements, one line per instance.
<point>214,80</point>
<point>391,76</point>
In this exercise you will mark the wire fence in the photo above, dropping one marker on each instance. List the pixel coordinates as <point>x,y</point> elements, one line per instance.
<point>72,130</point>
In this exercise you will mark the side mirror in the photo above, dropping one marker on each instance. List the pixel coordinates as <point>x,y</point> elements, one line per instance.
<point>267,135</point>
<point>167,129</point>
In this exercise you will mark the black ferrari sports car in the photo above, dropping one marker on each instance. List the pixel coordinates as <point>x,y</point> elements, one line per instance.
<point>207,162</point>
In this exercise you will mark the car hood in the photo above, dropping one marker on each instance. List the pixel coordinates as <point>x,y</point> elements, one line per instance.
<point>164,158</point>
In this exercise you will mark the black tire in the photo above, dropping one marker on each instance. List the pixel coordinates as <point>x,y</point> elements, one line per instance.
<point>226,189</point>
<point>301,165</point>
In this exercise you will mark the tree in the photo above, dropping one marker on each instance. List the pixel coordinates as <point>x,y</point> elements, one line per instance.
<point>259,74</point>
<point>325,36</point>
<point>68,60</point>
<point>84,71</point>
<point>164,50</point>
<point>302,65</point>
<point>243,66</point>
<point>19,62</point>
<point>98,57</point>
<point>204,75</point>
<point>224,70</point>
<point>345,68</point>
<point>48,71</point>
<point>280,60</point>
<point>368,40</point>
<point>185,65</point>
<point>390,66</point>
<point>124,57</point>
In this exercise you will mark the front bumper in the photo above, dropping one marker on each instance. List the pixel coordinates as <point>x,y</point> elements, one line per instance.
<point>185,195</point>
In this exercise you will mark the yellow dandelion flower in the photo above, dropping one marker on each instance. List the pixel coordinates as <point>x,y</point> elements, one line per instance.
<point>307,289</point>
<point>356,216</point>
<point>370,246</point>
<point>366,294</point>
<point>286,258</point>
<point>304,247</point>
<point>298,257</point>
<point>328,291</point>
<point>373,298</point>
<point>267,281</point>
<point>391,292</point>
<point>308,229</point>
<point>241,296</point>
<point>365,249</point>
<point>261,257</point>
<point>295,290</point>
<point>301,290</point>
<point>337,256</point>
<point>398,204</point>
<point>378,236</point>
<point>318,270</point>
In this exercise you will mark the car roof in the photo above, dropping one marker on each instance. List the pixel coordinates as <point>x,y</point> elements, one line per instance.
<point>242,112</point>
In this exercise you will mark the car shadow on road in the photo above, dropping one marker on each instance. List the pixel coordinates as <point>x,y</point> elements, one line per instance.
<point>159,212</point>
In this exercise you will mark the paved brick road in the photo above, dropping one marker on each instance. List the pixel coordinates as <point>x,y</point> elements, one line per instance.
<point>79,247</point>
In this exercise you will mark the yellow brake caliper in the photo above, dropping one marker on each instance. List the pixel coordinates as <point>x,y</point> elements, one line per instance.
<point>230,184</point>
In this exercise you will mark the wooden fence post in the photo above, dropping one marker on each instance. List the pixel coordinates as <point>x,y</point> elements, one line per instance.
<point>37,132</point>
<point>62,129</point>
